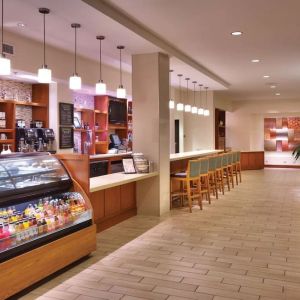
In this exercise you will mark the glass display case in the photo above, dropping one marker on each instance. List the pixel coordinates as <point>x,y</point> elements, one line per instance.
<point>37,203</point>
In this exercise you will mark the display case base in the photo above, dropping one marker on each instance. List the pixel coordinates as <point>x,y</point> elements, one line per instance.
<point>26,269</point>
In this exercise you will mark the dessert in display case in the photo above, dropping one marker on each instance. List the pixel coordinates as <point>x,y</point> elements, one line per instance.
<point>40,206</point>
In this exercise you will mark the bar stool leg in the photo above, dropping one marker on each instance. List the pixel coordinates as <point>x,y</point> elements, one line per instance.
<point>188,187</point>
<point>216,184</point>
<point>200,195</point>
<point>208,189</point>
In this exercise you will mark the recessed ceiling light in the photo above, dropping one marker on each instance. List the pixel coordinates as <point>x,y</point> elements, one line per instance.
<point>267,76</point>
<point>21,25</point>
<point>277,94</point>
<point>273,86</point>
<point>256,60</point>
<point>236,33</point>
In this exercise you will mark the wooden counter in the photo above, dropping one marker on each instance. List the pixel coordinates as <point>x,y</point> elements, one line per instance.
<point>252,160</point>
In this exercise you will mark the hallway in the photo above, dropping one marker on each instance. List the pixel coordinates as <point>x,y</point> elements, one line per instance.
<point>246,245</point>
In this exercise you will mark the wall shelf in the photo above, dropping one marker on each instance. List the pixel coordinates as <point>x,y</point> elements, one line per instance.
<point>100,112</point>
<point>6,130</point>
<point>8,141</point>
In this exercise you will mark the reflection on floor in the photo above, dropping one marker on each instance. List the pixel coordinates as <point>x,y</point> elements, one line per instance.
<point>246,245</point>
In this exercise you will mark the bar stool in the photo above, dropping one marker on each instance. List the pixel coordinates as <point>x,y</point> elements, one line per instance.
<point>219,173</point>
<point>238,164</point>
<point>204,178</point>
<point>234,166</point>
<point>230,167</point>
<point>225,170</point>
<point>190,183</point>
<point>212,161</point>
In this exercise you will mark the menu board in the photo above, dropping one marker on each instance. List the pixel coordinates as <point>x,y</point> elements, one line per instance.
<point>66,114</point>
<point>66,138</point>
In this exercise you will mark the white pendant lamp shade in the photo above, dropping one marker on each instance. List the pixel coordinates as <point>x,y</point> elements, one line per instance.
<point>187,108</point>
<point>200,111</point>
<point>180,106</point>
<point>194,110</point>
<point>44,75</point>
<point>121,92</point>
<point>75,82</point>
<point>206,113</point>
<point>100,85</point>
<point>100,88</point>
<point>5,67</point>
<point>171,104</point>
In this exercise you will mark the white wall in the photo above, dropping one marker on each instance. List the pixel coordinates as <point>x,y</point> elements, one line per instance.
<point>245,126</point>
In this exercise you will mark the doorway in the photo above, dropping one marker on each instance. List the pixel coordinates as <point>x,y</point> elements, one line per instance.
<point>176,136</point>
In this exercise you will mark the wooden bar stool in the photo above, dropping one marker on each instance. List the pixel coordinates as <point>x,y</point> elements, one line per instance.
<point>225,170</point>
<point>190,183</point>
<point>230,167</point>
<point>212,161</point>
<point>204,178</point>
<point>219,173</point>
<point>234,166</point>
<point>238,164</point>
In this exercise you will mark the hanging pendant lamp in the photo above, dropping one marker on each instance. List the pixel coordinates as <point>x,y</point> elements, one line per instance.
<point>179,105</point>
<point>44,74</point>
<point>5,67</point>
<point>194,107</point>
<point>121,92</point>
<point>75,80</point>
<point>187,107</point>
<point>171,101</point>
<point>200,109</point>
<point>100,85</point>
<point>206,110</point>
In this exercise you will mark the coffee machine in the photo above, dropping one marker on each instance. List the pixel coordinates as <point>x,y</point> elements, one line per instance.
<point>48,139</point>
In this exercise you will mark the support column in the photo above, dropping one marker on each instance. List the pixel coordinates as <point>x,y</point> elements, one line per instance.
<point>151,129</point>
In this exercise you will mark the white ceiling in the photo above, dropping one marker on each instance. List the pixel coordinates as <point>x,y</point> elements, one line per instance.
<point>201,29</point>
<point>60,34</point>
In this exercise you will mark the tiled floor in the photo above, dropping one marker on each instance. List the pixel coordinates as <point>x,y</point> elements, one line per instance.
<point>246,245</point>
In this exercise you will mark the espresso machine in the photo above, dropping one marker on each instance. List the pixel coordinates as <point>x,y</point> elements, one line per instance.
<point>48,139</point>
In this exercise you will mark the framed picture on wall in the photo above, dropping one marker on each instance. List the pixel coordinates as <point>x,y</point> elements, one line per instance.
<point>66,114</point>
<point>66,137</point>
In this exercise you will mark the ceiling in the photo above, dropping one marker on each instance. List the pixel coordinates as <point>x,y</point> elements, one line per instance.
<point>61,35</point>
<point>201,29</point>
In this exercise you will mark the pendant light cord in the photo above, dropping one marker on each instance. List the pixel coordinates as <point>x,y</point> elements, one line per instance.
<point>205,97</point>
<point>194,94</point>
<point>2,17</point>
<point>200,86</point>
<point>179,88</point>
<point>121,67</point>
<point>75,51</point>
<point>100,58</point>
<point>44,16</point>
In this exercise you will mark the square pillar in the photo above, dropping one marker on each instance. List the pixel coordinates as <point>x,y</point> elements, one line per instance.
<point>151,129</point>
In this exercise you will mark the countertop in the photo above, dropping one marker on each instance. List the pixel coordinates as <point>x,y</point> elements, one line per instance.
<point>115,179</point>
<point>108,155</point>
<point>191,154</point>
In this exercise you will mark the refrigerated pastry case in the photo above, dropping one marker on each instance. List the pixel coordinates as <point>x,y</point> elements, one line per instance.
<point>45,220</point>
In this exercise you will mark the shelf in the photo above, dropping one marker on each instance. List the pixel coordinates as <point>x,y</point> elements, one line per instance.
<point>100,130</point>
<point>80,130</point>
<point>100,112</point>
<point>83,110</point>
<point>6,130</point>
<point>111,126</point>
<point>24,103</point>
<point>101,143</point>
<point>129,115</point>
<point>221,126</point>
<point>8,141</point>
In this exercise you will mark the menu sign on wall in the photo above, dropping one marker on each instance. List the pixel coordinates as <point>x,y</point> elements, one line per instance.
<point>66,114</point>
<point>66,137</point>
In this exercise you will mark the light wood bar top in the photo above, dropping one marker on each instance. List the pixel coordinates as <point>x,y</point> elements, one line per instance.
<point>109,155</point>
<point>191,154</point>
<point>115,179</point>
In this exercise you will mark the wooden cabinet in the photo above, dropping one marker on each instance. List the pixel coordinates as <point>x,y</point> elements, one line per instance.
<point>220,129</point>
<point>252,160</point>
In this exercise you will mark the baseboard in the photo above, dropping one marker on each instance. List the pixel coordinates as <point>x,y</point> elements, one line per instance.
<point>283,166</point>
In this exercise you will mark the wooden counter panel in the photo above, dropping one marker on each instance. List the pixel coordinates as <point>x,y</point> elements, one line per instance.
<point>97,201</point>
<point>112,200</point>
<point>252,160</point>
<point>128,198</point>
<point>26,269</point>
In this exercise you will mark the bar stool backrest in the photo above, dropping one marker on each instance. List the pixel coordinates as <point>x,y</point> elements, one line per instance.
<point>238,156</point>
<point>229,158</point>
<point>219,161</point>
<point>193,168</point>
<point>224,160</point>
<point>204,166</point>
<point>234,157</point>
<point>212,163</point>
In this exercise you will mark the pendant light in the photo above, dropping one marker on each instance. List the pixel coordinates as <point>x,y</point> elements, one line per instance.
<point>179,105</point>
<point>44,74</point>
<point>200,109</point>
<point>187,107</point>
<point>100,85</point>
<point>75,80</point>
<point>5,67</point>
<point>206,110</point>
<point>171,101</point>
<point>194,107</point>
<point>121,92</point>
